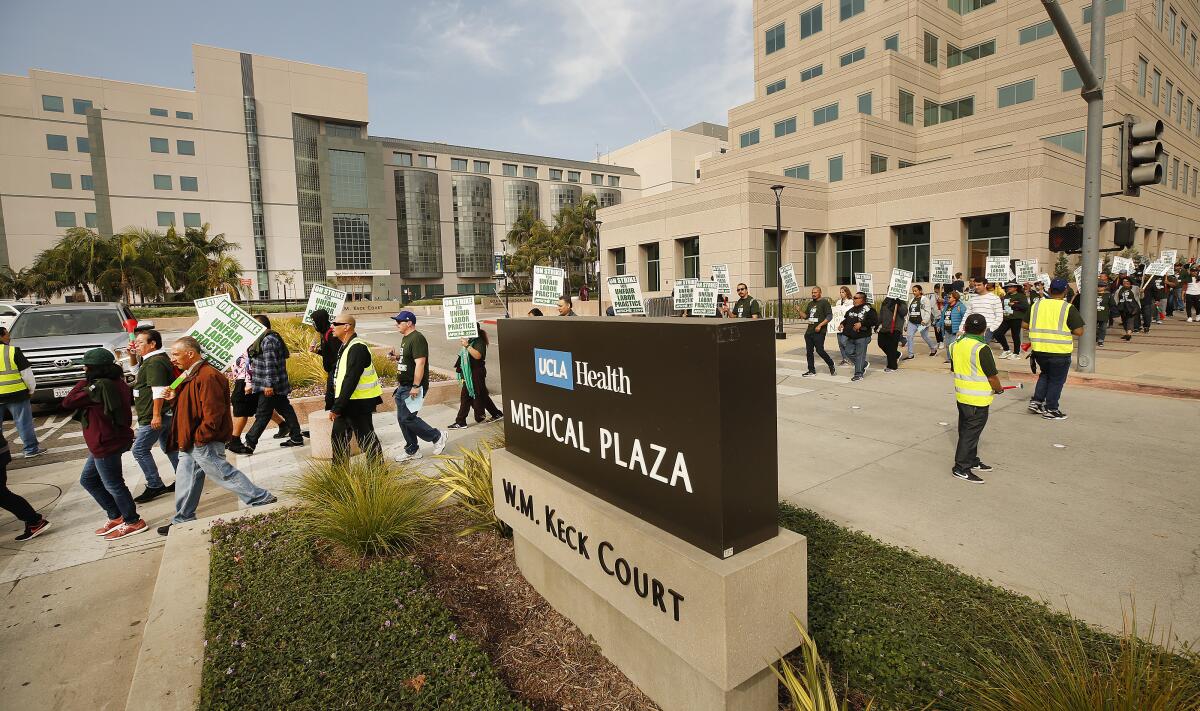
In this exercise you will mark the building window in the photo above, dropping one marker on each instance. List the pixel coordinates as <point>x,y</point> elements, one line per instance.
<point>963,7</point>
<point>850,8</point>
<point>912,249</point>
<point>835,169</point>
<point>597,179</point>
<point>1174,173</point>
<point>650,257</point>
<point>351,241</point>
<point>555,174</point>
<point>1036,32</point>
<point>159,112</point>
<point>1155,86</point>
<point>1143,66</point>
<point>483,166</point>
<point>749,138</point>
<point>348,178</point>
<point>572,176</point>
<point>1072,141</point>
<point>614,181</point>
<point>52,103</point>
<point>850,251</point>
<point>529,171</point>
<point>1195,180</point>
<point>907,107</point>
<point>931,49</point>
<point>1071,80</point>
<point>775,38</point>
<point>341,130</point>
<point>936,113</point>
<point>185,115</point>
<point>618,257</point>
<point>466,289</point>
<point>1184,178</point>
<point>81,106</point>
<point>902,164</point>
<point>1192,61</point>
<point>878,163</point>
<point>1167,98</point>
<point>1179,107</point>
<point>1111,7</point>
<point>82,144</point>
<point>956,56</point>
<point>162,182</point>
<point>987,236</point>
<point>458,164</point>
<point>185,148</point>
<point>864,103</point>
<point>892,43</point>
<point>85,182</point>
<point>1158,15</point>
<point>1190,105</point>
<point>188,184</point>
<point>509,169</point>
<point>852,57</point>
<point>64,219</point>
<point>191,219</point>
<point>166,219</point>
<point>160,145</point>
<point>797,171</point>
<point>812,72</point>
<point>428,161</point>
<point>810,21</point>
<point>825,114</point>
<point>89,220</point>
<point>1018,93</point>
<point>55,142</point>
<point>404,159</point>
<point>1174,17</point>
<point>810,259</point>
<point>60,181</point>
<point>776,86</point>
<point>784,127</point>
<point>690,249</point>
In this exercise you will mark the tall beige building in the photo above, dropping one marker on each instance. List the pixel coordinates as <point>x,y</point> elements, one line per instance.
<point>671,159</point>
<point>904,131</point>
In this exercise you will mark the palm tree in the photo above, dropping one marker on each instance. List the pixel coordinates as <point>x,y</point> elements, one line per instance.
<point>531,245</point>
<point>124,271</point>
<point>159,254</point>
<point>14,285</point>
<point>208,266</point>
<point>72,263</point>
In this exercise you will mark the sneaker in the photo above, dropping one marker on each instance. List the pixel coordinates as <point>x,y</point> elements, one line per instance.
<point>1100,343</point>
<point>40,451</point>
<point>280,433</point>
<point>866,366</point>
<point>843,361</point>
<point>291,443</point>
<point>164,530</point>
<point>126,529</point>
<point>966,475</point>
<point>267,501</point>
<point>1006,355</point>
<point>150,494</point>
<point>406,457</point>
<point>495,418</point>
<point>982,467</point>
<point>856,378</point>
<point>440,445</point>
<point>305,433</point>
<point>808,374</point>
<point>1127,337</point>
<point>1189,319</point>
<point>933,352</point>
<point>910,356</point>
<point>33,531</point>
<point>237,447</point>
<point>889,370</point>
<point>106,528</point>
<point>1054,415</point>
<point>171,487</point>
<point>457,426</point>
<point>832,370</point>
<point>1036,407</point>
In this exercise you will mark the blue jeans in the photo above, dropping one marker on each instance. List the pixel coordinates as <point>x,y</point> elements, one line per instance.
<point>856,348</point>
<point>102,478</point>
<point>842,338</point>
<point>144,438</point>
<point>209,460</point>
<point>949,337</point>
<point>411,426</point>
<point>913,330</point>
<point>1055,368</point>
<point>22,414</point>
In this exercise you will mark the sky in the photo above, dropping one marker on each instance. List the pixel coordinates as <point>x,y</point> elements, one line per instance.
<point>564,78</point>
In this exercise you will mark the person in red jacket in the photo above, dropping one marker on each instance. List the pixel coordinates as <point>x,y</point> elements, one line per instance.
<point>103,405</point>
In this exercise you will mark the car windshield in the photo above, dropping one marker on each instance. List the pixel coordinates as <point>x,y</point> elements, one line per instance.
<point>37,324</point>
<point>22,307</point>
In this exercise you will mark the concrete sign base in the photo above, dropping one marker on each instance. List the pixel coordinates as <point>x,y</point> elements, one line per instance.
<point>692,631</point>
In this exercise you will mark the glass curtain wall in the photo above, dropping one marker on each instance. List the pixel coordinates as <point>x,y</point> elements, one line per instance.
<point>987,236</point>
<point>473,241</point>
<point>850,249</point>
<point>418,224</point>
<point>912,249</point>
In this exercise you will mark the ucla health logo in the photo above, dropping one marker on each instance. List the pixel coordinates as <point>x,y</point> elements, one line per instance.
<point>553,368</point>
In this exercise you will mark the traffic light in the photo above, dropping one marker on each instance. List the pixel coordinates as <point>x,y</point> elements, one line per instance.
<point>1068,238</point>
<point>1123,231</point>
<point>1141,154</point>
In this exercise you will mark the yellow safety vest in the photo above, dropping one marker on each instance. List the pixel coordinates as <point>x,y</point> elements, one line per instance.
<point>1048,332</point>
<point>10,377</point>
<point>368,383</point>
<point>971,386</point>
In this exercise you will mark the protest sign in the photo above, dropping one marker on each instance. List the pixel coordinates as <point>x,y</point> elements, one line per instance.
<point>323,297</point>
<point>626,295</point>
<point>839,315</point>
<point>900,284</point>
<point>1027,271</point>
<point>202,305</point>
<point>705,303</point>
<point>941,271</point>
<point>865,283</point>
<point>997,269</point>
<point>225,331</point>
<point>1122,264</point>
<point>720,274</point>
<point>685,294</point>
<point>1078,276</point>
<point>1159,268</point>
<point>1045,279</point>
<point>1099,266</point>
<point>460,317</point>
<point>788,274</point>
<point>548,285</point>
<point>1169,256</point>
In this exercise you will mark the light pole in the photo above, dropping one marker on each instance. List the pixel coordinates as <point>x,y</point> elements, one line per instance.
<point>599,261</point>
<point>504,260</point>
<point>779,334</point>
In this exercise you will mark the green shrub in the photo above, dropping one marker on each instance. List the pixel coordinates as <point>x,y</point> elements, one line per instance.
<point>384,367</point>
<point>305,369</point>
<point>295,334</point>
<point>810,685</point>
<point>283,631</point>
<point>467,479</point>
<point>366,506</point>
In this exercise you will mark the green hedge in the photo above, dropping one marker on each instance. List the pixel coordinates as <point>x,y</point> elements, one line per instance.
<point>148,312</point>
<point>283,631</point>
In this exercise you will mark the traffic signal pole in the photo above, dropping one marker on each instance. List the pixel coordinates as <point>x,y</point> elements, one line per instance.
<point>1091,73</point>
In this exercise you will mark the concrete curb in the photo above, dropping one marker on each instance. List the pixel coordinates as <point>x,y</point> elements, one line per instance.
<point>171,658</point>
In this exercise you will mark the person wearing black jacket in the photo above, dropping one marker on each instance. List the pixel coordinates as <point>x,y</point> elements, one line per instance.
<point>819,315</point>
<point>327,347</point>
<point>1127,307</point>
<point>857,325</point>
<point>471,366</point>
<point>351,414</point>
<point>892,315</point>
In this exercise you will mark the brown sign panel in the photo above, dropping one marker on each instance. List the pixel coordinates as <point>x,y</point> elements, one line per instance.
<point>671,420</point>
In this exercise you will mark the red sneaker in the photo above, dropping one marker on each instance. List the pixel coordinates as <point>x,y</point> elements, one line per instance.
<point>126,529</point>
<point>104,530</point>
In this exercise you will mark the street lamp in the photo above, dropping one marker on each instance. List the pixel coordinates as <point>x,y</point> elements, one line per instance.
<point>504,260</point>
<point>599,261</point>
<point>779,334</point>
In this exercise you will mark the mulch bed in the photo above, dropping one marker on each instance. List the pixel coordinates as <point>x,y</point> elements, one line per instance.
<point>541,655</point>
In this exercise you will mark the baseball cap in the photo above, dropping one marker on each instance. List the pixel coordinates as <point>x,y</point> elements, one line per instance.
<point>405,316</point>
<point>98,356</point>
<point>1058,285</point>
<point>976,323</point>
<point>1011,284</point>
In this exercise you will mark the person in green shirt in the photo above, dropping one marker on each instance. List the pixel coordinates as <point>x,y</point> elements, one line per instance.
<point>154,375</point>
<point>413,375</point>
<point>472,372</point>
<point>976,381</point>
<point>746,306</point>
<point>1016,311</point>
<point>819,315</point>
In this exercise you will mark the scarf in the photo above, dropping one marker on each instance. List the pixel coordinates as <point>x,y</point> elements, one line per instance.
<point>464,367</point>
<point>103,390</point>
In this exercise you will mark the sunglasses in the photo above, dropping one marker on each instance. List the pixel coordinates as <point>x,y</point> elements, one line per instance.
<point>339,323</point>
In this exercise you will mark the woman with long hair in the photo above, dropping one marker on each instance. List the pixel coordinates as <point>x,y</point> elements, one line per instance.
<point>845,302</point>
<point>472,372</point>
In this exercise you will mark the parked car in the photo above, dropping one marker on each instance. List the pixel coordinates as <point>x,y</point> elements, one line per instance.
<point>54,338</point>
<point>10,310</point>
